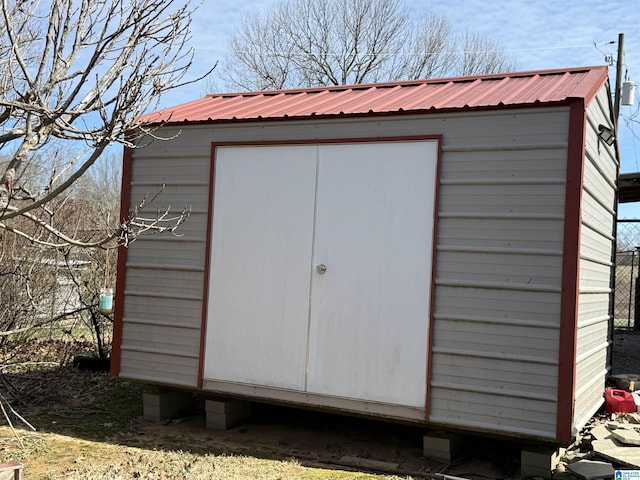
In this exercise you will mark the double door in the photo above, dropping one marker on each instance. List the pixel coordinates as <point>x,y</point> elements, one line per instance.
<point>320,269</point>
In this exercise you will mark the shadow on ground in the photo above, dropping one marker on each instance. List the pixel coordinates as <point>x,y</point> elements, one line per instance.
<point>96,407</point>
<point>625,356</point>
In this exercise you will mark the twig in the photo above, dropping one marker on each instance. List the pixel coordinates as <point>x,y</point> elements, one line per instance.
<point>17,414</point>
<point>15,434</point>
<point>42,324</point>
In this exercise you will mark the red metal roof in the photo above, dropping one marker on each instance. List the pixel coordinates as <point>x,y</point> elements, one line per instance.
<point>486,91</point>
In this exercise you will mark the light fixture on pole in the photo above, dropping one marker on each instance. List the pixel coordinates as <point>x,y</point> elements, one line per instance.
<point>606,134</point>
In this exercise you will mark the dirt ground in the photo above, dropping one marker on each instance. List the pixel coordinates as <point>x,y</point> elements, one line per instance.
<point>626,353</point>
<point>89,426</point>
<point>78,438</point>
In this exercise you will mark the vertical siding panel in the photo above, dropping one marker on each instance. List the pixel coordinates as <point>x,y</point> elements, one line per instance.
<point>596,240</point>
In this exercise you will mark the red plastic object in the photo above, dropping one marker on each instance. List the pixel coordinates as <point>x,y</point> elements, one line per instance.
<point>619,401</point>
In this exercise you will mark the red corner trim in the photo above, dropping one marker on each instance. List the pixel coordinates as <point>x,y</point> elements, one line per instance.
<point>570,270</point>
<point>125,203</point>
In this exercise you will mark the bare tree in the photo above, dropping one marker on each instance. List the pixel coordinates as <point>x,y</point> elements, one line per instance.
<point>306,43</point>
<point>480,55</point>
<point>427,51</point>
<point>75,75</point>
<point>100,187</point>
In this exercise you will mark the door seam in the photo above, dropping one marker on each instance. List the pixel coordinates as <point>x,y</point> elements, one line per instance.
<point>311,269</point>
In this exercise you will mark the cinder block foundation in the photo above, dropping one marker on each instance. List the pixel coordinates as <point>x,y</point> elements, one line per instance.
<point>443,447</point>
<point>539,461</point>
<point>164,404</point>
<point>225,414</point>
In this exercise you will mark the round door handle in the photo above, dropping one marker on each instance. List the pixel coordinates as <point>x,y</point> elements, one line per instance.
<point>321,268</point>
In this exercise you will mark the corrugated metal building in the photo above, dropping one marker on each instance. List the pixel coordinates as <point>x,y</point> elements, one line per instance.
<point>435,251</point>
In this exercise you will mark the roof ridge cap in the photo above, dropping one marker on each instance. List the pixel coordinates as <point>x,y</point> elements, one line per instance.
<point>416,82</point>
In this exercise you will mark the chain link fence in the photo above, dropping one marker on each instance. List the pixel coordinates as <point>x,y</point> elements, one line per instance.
<point>627,272</point>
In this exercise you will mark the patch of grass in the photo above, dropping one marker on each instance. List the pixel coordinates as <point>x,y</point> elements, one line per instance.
<point>10,449</point>
<point>51,456</point>
<point>88,427</point>
<point>184,465</point>
<point>97,407</point>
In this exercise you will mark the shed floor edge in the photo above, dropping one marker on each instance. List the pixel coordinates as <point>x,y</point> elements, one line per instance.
<point>343,406</point>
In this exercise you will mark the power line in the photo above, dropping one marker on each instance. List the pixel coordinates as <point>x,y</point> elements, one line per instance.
<point>397,54</point>
<point>608,57</point>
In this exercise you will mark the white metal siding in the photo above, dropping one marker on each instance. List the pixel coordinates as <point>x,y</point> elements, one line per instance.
<point>596,239</point>
<point>526,415</point>
<point>495,344</point>
<point>498,277</point>
<point>159,366</point>
<point>165,274</point>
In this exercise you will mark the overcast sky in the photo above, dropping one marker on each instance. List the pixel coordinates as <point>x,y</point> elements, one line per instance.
<point>541,34</point>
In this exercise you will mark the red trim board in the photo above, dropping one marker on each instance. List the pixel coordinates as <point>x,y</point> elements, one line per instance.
<point>570,270</point>
<point>125,203</point>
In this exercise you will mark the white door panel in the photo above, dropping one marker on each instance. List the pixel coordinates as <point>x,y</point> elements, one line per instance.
<point>370,309</point>
<point>358,330</point>
<point>258,302</point>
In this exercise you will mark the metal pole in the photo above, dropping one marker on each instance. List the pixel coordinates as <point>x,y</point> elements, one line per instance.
<point>633,254</point>
<point>616,105</point>
<point>636,306</point>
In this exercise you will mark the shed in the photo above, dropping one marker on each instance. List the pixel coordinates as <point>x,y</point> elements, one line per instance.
<point>431,251</point>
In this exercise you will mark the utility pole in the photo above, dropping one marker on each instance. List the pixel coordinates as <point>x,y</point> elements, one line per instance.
<point>616,104</point>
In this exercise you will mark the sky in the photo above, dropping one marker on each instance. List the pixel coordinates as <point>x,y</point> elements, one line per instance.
<point>540,34</point>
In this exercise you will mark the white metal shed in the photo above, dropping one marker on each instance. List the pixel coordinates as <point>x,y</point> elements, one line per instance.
<point>434,251</point>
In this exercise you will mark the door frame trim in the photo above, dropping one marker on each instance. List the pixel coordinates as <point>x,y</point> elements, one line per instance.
<point>319,141</point>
